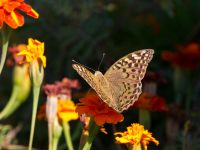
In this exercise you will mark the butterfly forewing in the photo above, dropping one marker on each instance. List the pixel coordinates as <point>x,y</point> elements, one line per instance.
<point>92,81</point>
<point>125,76</point>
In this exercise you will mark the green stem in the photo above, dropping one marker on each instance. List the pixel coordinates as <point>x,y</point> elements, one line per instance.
<point>5,42</point>
<point>54,143</point>
<point>77,132</point>
<point>93,130</point>
<point>188,98</point>
<point>145,118</point>
<point>50,134</point>
<point>36,92</point>
<point>57,132</point>
<point>12,103</point>
<point>67,134</point>
<point>185,145</point>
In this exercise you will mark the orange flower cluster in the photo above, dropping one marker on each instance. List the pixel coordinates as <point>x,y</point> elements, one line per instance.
<point>10,15</point>
<point>65,111</point>
<point>187,56</point>
<point>151,103</point>
<point>93,106</point>
<point>135,135</point>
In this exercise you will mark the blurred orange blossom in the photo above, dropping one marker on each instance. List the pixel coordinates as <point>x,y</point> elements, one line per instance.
<point>9,12</point>
<point>152,103</point>
<point>187,56</point>
<point>93,106</point>
<point>135,135</point>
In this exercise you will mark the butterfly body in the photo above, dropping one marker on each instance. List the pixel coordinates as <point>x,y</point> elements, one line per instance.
<point>121,85</point>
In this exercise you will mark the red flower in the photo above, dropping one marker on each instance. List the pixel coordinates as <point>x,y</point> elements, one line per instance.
<point>150,102</point>
<point>14,58</point>
<point>187,56</point>
<point>93,106</point>
<point>9,12</point>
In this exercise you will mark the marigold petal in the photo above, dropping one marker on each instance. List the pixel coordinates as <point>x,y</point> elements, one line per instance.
<point>14,20</point>
<point>121,140</point>
<point>2,16</point>
<point>66,110</point>
<point>28,10</point>
<point>99,120</point>
<point>18,18</point>
<point>67,116</point>
<point>93,106</point>
<point>43,59</point>
<point>33,14</point>
<point>25,7</point>
<point>11,6</point>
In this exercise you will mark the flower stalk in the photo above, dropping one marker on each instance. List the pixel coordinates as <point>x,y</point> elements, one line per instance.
<point>21,82</point>
<point>5,32</point>
<point>67,134</point>
<point>37,73</point>
<point>57,132</point>
<point>145,118</point>
<point>51,114</point>
<point>93,130</point>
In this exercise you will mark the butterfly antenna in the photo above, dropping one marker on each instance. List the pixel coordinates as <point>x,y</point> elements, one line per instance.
<point>101,60</point>
<point>83,65</point>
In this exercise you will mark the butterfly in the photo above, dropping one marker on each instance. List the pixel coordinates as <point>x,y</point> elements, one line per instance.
<point>121,85</point>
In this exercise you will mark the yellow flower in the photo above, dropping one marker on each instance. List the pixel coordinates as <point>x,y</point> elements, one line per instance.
<point>135,135</point>
<point>66,110</point>
<point>34,51</point>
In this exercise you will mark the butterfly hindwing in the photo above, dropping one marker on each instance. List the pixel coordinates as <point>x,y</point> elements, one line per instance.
<point>125,76</point>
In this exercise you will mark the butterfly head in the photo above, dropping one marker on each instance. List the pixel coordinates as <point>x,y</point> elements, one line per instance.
<point>100,77</point>
<point>98,74</point>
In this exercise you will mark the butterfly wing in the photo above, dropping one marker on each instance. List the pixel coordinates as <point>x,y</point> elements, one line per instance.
<point>91,80</point>
<point>125,77</point>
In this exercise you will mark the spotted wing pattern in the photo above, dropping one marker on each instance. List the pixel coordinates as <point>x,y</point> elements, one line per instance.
<point>125,77</point>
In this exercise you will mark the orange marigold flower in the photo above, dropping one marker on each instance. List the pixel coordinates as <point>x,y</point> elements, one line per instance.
<point>187,56</point>
<point>66,110</point>
<point>135,135</point>
<point>34,51</point>
<point>151,103</point>
<point>9,12</point>
<point>93,106</point>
